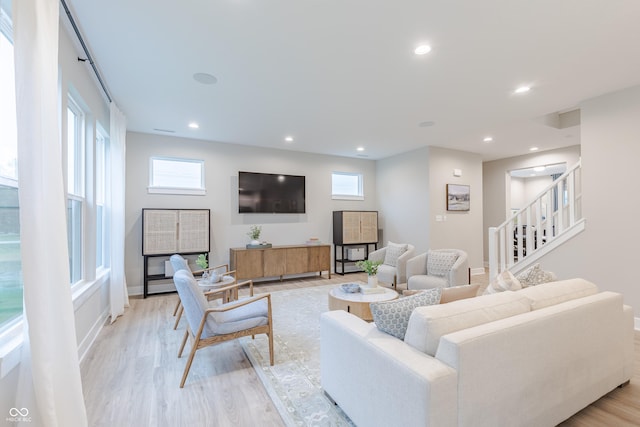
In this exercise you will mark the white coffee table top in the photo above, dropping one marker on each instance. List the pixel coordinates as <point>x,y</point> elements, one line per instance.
<point>387,295</point>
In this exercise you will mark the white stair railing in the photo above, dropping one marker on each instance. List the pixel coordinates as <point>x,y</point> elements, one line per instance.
<point>553,217</point>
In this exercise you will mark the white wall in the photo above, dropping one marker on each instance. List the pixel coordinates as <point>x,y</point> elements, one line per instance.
<point>412,191</point>
<point>496,183</point>
<point>607,251</point>
<point>222,163</point>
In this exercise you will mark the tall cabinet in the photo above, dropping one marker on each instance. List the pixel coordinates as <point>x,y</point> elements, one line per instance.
<point>355,233</point>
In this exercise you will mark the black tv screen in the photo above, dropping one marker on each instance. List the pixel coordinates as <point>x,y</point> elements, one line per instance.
<point>270,193</point>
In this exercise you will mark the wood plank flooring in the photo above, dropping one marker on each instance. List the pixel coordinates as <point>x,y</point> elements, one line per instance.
<point>131,375</point>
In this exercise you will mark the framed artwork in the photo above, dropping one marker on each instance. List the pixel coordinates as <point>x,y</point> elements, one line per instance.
<point>458,197</point>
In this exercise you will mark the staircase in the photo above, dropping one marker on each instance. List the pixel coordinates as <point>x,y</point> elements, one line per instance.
<point>551,219</point>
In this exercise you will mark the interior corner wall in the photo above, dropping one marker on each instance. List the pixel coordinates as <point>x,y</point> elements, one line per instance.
<point>403,198</point>
<point>457,229</point>
<point>495,180</point>
<point>606,253</point>
<point>412,191</point>
<point>222,163</point>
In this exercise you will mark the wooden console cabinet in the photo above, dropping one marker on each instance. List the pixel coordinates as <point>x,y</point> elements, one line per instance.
<point>280,260</point>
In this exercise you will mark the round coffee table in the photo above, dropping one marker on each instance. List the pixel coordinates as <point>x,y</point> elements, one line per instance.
<point>358,303</point>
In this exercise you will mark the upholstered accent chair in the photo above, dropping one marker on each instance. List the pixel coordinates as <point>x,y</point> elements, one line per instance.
<point>209,324</point>
<point>394,259</point>
<point>227,293</point>
<point>441,268</point>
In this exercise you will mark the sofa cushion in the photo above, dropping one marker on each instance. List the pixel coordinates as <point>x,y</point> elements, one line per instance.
<point>392,316</point>
<point>428,324</point>
<point>553,293</point>
<point>535,275</point>
<point>439,263</point>
<point>393,252</point>
<point>505,281</point>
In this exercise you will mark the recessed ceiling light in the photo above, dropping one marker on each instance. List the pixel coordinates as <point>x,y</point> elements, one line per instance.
<point>205,78</point>
<point>488,139</point>
<point>539,168</point>
<point>533,149</point>
<point>194,125</point>
<point>522,89</point>
<point>422,49</point>
<point>360,148</point>
<point>426,124</point>
<point>288,138</point>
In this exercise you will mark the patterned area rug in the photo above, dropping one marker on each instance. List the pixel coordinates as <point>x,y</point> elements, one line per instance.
<point>293,383</point>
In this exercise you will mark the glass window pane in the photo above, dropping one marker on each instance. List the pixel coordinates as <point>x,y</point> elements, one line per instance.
<point>8,122</point>
<point>177,173</point>
<point>74,236</point>
<point>10,262</point>
<point>346,185</point>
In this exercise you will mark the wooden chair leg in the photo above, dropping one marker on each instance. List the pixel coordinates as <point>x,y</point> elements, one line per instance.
<point>178,305</point>
<point>184,341</point>
<point>188,367</point>
<point>175,326</point>
<point>270,334</point>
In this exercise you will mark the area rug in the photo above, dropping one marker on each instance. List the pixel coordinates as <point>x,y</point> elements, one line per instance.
<point>293,383</point>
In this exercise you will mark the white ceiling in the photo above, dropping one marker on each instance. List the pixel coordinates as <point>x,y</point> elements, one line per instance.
<point>336,75</point>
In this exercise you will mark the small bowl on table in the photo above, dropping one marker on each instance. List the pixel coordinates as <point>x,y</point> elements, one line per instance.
<point>350,288</point>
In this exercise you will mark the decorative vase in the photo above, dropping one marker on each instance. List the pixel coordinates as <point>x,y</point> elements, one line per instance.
<point>372,281</point>
<point>255,242</point>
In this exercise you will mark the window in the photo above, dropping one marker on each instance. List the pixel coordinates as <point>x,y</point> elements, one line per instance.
<point>176,176</point>
<point>102,224</point>
<point>75,188</point>
<point>347,186</point>
<point>10,262</point>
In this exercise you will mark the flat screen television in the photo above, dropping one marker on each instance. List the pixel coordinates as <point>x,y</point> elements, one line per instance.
<point>270,193</point>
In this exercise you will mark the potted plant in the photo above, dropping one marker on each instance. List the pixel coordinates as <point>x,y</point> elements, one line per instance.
<point>371,268</point>
<point>254,234</point>
<point>202,262</point>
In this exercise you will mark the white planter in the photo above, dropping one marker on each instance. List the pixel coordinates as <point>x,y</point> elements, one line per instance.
<point>372,281</point>
<point>255,242</point>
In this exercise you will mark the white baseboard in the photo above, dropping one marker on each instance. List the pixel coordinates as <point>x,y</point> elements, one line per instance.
<point>91,336</point>
<point>477,271</point>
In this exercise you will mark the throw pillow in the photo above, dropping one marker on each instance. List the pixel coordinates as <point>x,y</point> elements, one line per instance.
<point>455,293</point>
<point>535,275</point>
<point>393,252</point>
<point>504,282</point>
<point>439,263</point>
<point>392,317</point>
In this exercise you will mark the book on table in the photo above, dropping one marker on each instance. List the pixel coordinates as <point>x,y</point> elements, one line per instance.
<point>376,290</point>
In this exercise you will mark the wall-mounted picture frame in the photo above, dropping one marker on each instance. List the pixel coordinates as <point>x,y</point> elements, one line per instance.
<point>458,197</point>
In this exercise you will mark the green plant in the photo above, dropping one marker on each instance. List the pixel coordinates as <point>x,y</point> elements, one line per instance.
<point>254,232</point>
<point>202,262</point>
<point>369,267</point>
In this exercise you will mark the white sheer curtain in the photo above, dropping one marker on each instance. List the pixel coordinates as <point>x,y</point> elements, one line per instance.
<point>117,142</point>
<point>50,371</point>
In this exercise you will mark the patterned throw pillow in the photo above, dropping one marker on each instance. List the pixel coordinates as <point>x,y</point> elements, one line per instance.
<point>505,281</point>
<point>439,263</point>
<point>393,252</point>
<point>535,275</point>
<point>392,317</point>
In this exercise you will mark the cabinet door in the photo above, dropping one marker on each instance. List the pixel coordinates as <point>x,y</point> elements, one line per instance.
<point>369,227</point>
<point>274,262</point>
<point>248,263</point>
<point>319,258</point>
<point>350,227</point>
<point>297,260</point>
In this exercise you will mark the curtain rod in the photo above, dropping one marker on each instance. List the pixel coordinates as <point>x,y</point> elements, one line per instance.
<point>86,50</point>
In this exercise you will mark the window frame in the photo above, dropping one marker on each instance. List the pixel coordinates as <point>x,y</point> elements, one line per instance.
<point>165,189</point>
<point>360,190</point>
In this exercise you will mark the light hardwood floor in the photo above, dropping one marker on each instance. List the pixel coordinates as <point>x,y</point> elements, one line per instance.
<point>131,375</point>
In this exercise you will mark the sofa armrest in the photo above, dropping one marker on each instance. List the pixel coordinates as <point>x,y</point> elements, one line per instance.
<point>401,265</point>
<point>459,274</point>
<point>417,265</point>
<point>378,380</point>
<point>378,255</point>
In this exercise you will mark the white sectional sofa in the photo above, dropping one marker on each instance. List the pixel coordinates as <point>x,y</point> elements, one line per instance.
<point>527,358</point>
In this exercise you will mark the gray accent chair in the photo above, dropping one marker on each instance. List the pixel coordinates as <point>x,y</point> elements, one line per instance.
<point>209,324</point>
<point>178,262</point>
<point>419,278</point>
<point>392,274</point>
